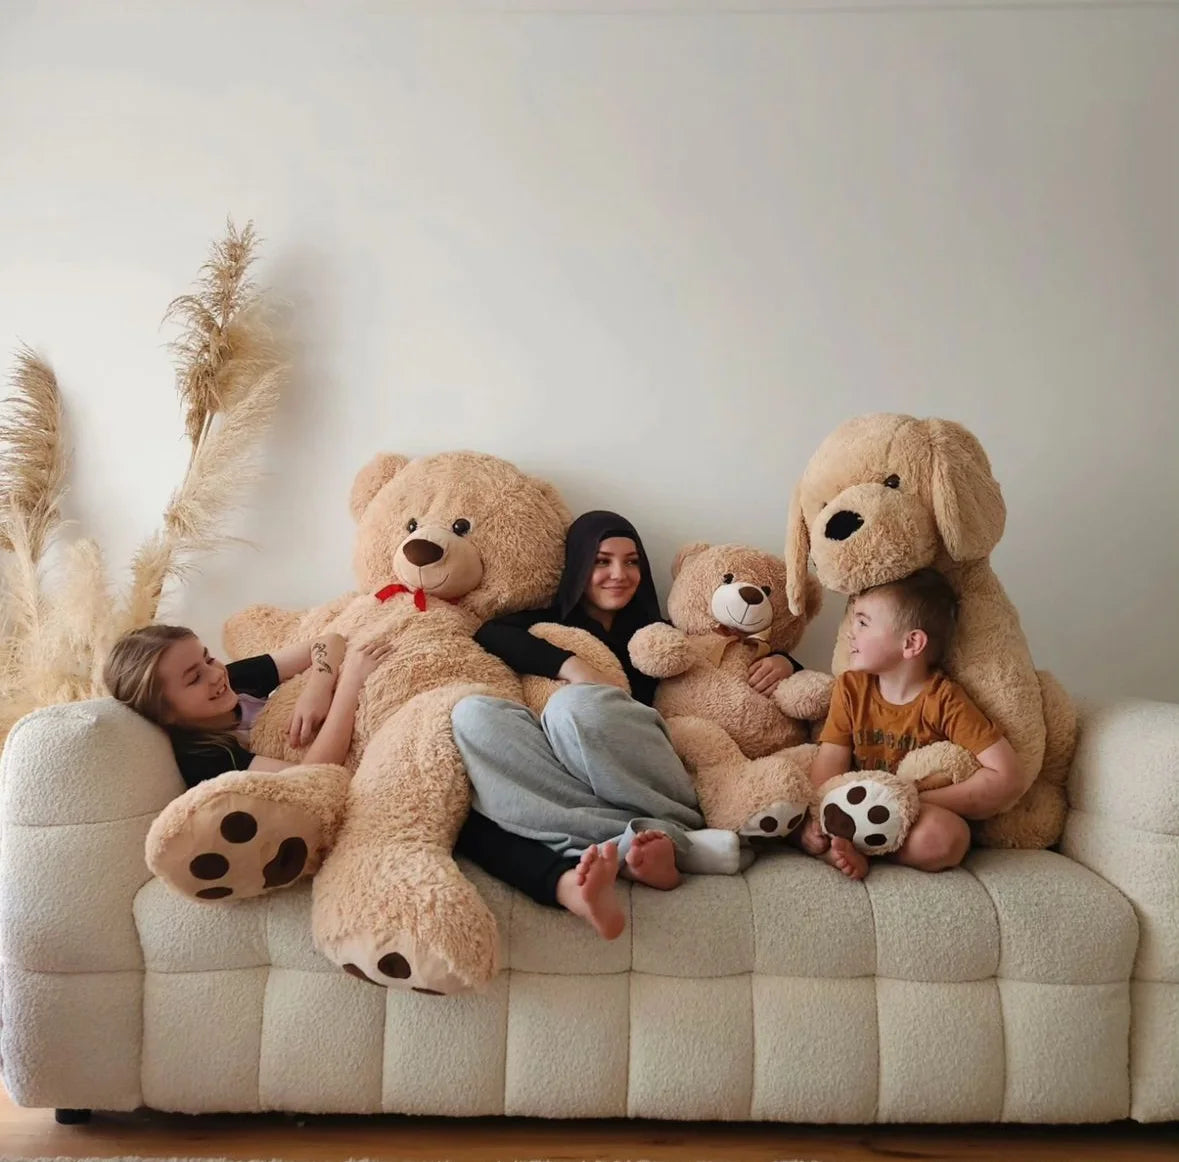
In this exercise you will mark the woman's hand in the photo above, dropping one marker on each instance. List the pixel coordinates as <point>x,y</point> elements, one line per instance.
<point>360,661</point>
<point>578,672</point>
<point>767,672</point>
<point>311,709</point>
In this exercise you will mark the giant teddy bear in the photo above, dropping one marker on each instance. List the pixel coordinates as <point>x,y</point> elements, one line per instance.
<point>728,607</point>
<point>883,496</point>
<point>443,543</point>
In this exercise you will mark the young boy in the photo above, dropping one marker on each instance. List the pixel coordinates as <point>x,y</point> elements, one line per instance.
<point>894,698</point>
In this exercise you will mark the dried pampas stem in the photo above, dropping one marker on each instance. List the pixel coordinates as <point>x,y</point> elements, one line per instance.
<point>54,638</point>
<point>32,462</point>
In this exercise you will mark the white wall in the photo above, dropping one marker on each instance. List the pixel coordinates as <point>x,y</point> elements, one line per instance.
<point>654,252</point>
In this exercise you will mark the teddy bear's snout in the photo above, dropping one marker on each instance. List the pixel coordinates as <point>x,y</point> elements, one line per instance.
<point>421,553</point>
<point>842,525</point>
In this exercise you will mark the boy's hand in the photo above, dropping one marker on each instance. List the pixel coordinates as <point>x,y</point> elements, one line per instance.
<point>767,672</point>
<point>311,709</point>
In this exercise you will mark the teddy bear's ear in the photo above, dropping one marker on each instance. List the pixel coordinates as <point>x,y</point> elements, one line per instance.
<point>968,507</point>
<point>689,550</point>
<point>372,478</point>
<point>798,552</point>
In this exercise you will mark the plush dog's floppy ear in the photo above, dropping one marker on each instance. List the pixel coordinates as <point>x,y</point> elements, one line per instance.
<point>689,550</point>
<point>814,598</point>
<point>798,552</point>
<point>968,507</point>
<point>372,478</point>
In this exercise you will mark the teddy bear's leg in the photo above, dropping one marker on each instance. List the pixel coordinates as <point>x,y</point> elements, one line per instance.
<point>767,796</point>
<point>1060,724</point>
<point>874,809</point>
<point>390,905</point>
<point>1035,822</point>
<point>247,832</point>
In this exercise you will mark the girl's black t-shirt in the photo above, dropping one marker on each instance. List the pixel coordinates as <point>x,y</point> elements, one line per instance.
<point>201,758</point>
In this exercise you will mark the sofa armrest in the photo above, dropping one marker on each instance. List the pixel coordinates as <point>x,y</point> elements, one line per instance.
<point>1123,823</point>
<point>79,786</point>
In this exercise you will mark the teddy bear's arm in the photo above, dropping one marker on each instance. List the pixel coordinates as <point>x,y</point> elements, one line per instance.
<point>805,695</point>
<point>262,629</point>
<point>661,651</point>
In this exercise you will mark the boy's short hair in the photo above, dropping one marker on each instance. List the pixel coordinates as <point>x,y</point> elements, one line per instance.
<point>924,600</point>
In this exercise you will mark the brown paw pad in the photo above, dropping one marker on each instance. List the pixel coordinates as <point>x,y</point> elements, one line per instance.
<point>239,827</point>
<point>838,822</point>
<point>287,864</point>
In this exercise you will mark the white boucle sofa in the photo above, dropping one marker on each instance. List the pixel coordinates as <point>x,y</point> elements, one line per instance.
<point>1025,986</point>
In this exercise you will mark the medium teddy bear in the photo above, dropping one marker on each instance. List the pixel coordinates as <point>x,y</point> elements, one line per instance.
<point>728,608</point>
<point>883,496</point>
<point>443,544</point>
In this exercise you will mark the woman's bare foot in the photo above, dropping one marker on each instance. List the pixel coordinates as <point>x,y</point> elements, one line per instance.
<point>588,890</point>
<point>812,838</point>
<point>651,860</point>
<point>844,855</point>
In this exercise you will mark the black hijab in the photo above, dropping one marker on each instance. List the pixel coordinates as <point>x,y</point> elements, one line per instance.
<point>581,548</point>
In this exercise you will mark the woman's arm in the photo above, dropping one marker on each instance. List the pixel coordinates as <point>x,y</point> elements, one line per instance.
<point>509,640</point>
<point>335,736</point>
<point>322,656</point>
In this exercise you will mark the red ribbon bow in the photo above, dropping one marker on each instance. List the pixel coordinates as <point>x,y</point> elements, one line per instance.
<point>419,595</point>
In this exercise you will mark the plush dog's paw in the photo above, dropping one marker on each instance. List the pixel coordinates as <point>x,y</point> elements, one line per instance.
<point>775,819</point>
<point>875,815</point>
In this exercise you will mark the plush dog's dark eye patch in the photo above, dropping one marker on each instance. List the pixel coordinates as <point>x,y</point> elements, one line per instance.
<point>893,481</point>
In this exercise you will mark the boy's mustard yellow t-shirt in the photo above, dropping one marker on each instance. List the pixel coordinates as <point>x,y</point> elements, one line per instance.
<point>881,733</point>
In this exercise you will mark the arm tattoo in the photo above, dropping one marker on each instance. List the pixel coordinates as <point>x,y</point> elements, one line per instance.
<point>320,659</point>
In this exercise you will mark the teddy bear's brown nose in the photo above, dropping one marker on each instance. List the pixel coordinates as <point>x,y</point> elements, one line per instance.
<point>418,552</point>
<point>750,595</point>
<point>842,525</point>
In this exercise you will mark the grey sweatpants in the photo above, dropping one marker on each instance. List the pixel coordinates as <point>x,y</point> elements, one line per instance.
<point>596,766</point>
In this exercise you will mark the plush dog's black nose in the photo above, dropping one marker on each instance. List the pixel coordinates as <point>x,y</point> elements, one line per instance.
<point>842,525</point>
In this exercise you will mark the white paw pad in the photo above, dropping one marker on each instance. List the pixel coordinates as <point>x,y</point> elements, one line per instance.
<point>864,812</point>
<point>775,819</point>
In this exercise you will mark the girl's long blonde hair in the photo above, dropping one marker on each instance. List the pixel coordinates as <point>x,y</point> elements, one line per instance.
<point>131,674</point>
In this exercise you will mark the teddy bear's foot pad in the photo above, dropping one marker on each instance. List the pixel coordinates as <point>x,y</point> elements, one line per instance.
<point>399,963</point>
<point>867,813</point>
<point>775,819</point>
<point>234,847</point>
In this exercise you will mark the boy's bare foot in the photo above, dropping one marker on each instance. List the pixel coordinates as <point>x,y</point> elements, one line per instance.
<point>812,838</point>
<point>588,890</point>
<point>844,855</point>
<point>651,860</point>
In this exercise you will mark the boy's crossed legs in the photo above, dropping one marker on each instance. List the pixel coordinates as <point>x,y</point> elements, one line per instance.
<point>939,839</point>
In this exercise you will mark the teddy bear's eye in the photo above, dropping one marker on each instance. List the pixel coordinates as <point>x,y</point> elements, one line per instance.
<point>411,526</point>
<point>766,590</point>
<point>893,481</point>
<point>461,527</point>
<point>728,578</point>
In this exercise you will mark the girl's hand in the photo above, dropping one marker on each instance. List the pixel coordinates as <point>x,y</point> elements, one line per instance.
<point>360,661</point>
<point>310,711</point>
<point>577,672</point>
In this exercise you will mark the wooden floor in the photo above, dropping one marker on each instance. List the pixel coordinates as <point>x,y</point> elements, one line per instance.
<point>34,1133</point>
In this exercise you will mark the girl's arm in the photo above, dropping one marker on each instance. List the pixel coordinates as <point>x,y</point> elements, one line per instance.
<point>322,656</point>
<point>335,737</point>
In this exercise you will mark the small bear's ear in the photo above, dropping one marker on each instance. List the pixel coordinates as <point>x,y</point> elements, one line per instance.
<point>689,550</point>
<point>372,478</point>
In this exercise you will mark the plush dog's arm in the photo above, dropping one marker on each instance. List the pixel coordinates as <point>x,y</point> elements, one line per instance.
<point>661,651</point>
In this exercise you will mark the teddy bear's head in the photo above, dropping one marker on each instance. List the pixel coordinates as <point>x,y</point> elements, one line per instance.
<point>463,526</point>
<point>885,495</point>
<point>740,589</point>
